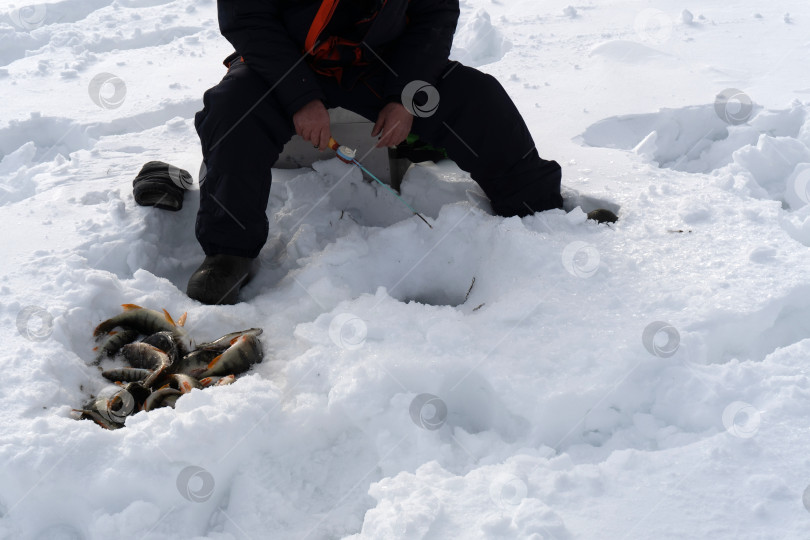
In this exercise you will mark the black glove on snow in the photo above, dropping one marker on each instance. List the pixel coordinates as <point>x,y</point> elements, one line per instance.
<point>162,185</point>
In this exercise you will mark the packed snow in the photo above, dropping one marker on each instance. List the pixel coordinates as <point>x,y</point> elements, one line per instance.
<point>545,377</point>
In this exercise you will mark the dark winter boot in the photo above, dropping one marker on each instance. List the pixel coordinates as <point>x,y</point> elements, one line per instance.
<point>219,278</point>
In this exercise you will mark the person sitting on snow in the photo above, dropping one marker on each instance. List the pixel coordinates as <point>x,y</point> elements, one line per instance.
<point>295,59</point>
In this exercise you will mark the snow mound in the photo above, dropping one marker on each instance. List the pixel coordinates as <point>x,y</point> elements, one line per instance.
<point>630,52</point>
<point>769,151</point>
<point>479,42</point>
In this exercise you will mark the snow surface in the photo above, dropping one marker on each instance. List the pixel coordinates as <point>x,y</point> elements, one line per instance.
<point>643,380</point>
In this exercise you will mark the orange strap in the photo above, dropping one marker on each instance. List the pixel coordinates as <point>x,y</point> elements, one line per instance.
<point>319,23</point>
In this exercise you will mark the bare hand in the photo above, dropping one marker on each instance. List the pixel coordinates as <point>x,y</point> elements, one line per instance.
<point>394,122</point>
<point>312,123</point>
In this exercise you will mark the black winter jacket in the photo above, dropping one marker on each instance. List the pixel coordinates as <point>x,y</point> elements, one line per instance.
<point>413,38</point>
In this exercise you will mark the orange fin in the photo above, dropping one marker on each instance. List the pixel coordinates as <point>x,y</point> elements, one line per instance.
<point>95,348</point>
<point>234,340</point>
<point>213,362</point>
<point>130,307</point>
<point>169,318</point>
<point>182,320</point>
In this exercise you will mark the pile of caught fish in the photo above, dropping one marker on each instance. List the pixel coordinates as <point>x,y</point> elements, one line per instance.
<point>162,363</point>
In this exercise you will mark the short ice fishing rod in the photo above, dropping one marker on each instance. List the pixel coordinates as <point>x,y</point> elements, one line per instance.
<point>347,155</point>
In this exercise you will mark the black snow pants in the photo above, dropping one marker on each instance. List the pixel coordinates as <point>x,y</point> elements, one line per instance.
<point>243,129</point>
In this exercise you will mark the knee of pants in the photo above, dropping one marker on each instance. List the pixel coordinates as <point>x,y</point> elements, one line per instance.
<point>240,113</point>
<point>220,114</point>
<point>199,118</point>
<point>469,86</point>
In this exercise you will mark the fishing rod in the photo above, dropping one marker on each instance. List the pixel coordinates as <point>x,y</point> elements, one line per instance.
<point>346,155</point>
